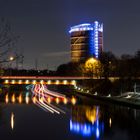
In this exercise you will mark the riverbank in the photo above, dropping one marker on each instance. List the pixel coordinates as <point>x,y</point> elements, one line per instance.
<point>127,102</point>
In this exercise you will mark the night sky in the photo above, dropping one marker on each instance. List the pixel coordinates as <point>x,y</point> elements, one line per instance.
<point>44,24</point>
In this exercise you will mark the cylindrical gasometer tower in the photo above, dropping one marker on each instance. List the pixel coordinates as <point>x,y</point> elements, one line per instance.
<point>86,41</point>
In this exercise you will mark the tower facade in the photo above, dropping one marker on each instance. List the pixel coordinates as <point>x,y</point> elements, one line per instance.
<point>86,41</point>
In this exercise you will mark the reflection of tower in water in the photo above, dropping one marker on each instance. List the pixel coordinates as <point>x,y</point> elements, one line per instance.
<point>85,114</point>
<point>85,121</point>
<point>92,114</point>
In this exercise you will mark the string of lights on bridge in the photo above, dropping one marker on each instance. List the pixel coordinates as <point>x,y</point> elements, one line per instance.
<point>48,82</point>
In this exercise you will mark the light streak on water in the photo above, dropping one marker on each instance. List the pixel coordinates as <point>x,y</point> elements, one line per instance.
<point>48,107</point>
<point>45,98</point>
<point>56,108</point>
<point>44,107</point>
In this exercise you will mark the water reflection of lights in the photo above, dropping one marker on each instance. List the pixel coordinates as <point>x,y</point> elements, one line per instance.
<point>45,98</point>
<point>34,99</point>
<point>12,120</point>
<point>13,98</point>
<point>27,99</point>
<point>6,98</point>
<point>110,122</point>
<point>42,97</point>
<point>86,129</point>
<point>73,100</point>
<point>65,100</point>
<point>91,114</point>
<point>20,98</point>
<point>83,129</point>
<point>49,100</point>
<point>57,100</point>
<point>80,125</point>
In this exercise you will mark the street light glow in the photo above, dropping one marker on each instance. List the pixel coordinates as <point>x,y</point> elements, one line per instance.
<point>11,58</point>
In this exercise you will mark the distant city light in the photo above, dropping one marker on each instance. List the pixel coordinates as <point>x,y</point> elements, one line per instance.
<point>73,82</point>
<point>13,81</point>
<point>57,82</point>
<point>20,81</point>
<point>34,81</point>
<point>6,81</point>
<point>42,82</point>
<point>49,82</point>
<point>65,82</point>
<point>27,81</point>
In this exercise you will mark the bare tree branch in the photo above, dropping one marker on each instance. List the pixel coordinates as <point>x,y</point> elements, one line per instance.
<point>7,41</point>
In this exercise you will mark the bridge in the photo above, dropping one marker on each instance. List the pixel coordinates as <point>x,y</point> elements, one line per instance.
<point>39,80</point>
<point>57,80</point>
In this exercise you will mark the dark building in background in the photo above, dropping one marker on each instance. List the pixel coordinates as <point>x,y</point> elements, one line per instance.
<point>86,41</point>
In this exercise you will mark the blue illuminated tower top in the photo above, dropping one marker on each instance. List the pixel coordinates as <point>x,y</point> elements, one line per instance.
<point>87,27</point>
<point>86,40</point>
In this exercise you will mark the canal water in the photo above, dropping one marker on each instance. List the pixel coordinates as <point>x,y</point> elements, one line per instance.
<point>87,120</point>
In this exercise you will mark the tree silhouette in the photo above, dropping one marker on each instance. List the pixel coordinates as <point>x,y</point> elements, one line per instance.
<point>8,42</point>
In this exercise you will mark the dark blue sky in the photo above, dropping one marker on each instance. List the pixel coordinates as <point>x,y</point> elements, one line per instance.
<point>44,24</point>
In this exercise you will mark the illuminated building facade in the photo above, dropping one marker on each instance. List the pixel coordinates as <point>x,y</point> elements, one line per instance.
<point>86,41</point>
